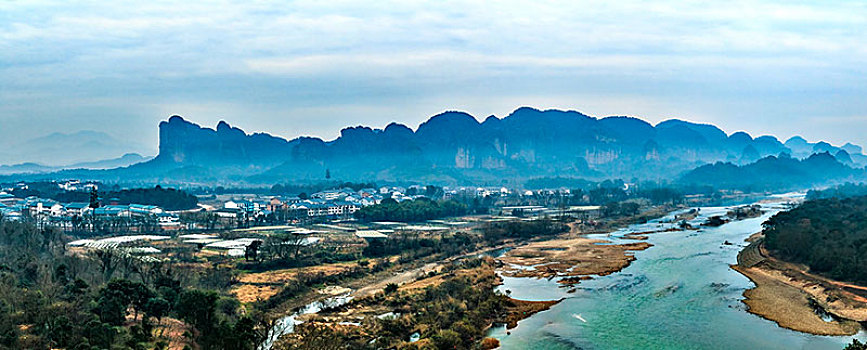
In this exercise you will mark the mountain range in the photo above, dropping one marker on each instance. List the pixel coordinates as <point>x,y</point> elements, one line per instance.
<point>65,150</point>
<point>36,168</point>
<point>455,148</point>
<point>774,173</point>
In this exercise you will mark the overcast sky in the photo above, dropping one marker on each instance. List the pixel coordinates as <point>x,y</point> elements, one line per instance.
<point>313,67</point>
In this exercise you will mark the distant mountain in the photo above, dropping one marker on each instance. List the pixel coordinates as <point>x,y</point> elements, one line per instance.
<point>775,173</point>
<point>34,168</point>
<point>26,168</point>
<point>800,148</point>
<point>62,149</point>
<point>122,161</point>
<point>455,148</point>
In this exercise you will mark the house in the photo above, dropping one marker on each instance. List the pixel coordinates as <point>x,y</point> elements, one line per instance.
<point>79,209</point>
<point>342,208</point>
<point>330,195</point>
<point>7,198</point>
<point>71,185</point>
<point>10,214</point>
<point>317,209</point>
<point>230,213</point>
<point>37,206</point>
<point>112,211</point>
<point>144,210</point>
<point>276,203</point>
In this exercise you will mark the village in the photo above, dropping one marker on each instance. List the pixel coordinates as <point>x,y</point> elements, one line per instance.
<point>249,218</point>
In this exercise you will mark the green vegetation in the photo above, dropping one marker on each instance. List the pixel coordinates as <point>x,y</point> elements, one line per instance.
<point>828,235</point>
<point>856,345</point>
<point>107,299</point>
<point>412,246</point>
<point>421,209</point>
<point>498,231</point>
<point>584,192</point>
<point>453,314</point>
<point>773,173</point>
<point>841,191</point>
<point>166,198</point>
<point>295,188</point>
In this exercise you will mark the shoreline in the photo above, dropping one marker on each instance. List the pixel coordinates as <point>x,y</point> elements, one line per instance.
<point>794,299</point>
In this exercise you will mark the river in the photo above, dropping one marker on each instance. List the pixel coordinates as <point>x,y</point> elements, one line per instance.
<point>678,294</point>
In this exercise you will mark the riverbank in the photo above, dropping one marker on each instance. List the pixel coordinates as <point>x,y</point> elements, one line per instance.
<point>796,299</point>
<point>454,304</point>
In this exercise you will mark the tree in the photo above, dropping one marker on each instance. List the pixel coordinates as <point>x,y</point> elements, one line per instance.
<point>157,308</point>
<point>315,336</point>
<point>111,308</point>
<point>117,296</point>
<point>197,308</point>
<point>94,198</point>
<point>8,328</point>
<point>108,259</point>
<point>252,251</point>
<point>856,345</point>
<point>447,339</point>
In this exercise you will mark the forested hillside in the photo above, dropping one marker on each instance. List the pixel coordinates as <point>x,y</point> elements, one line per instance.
<point>54,298</point>
<point>774,173</point>
<point>828,235</point>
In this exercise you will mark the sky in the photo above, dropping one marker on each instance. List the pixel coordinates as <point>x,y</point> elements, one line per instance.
<point>313,67</point>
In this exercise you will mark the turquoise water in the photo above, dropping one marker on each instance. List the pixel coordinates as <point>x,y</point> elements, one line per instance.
<point>679,294</point>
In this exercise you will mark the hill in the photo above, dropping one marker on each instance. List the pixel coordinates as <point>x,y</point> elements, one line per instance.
<point>774,173</point>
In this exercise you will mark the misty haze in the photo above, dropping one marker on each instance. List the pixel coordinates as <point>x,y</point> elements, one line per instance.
<point>433,175</point>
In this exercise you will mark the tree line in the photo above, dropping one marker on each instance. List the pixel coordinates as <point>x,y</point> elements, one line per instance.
<point>166,198</point>
<point>417,210</point>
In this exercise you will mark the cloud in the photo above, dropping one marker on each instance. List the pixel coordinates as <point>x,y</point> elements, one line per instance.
<point>280,66</point>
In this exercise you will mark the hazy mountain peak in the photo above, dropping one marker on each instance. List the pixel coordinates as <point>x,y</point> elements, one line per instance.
<point>447,123</point>
<point>397,128</point>
<point>823,146</point>
<point>843,156</point>
<point>357,130</point>
<point>177,119</point>
<point>852,148</point>
<point>796,139</point>
<point>740,136</point>
<point>491,119</point>
<point>61,148</point>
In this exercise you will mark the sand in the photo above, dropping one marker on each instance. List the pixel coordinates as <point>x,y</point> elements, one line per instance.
<point>786,293</point>
<point>788,306</point>
<point>570,257</point>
